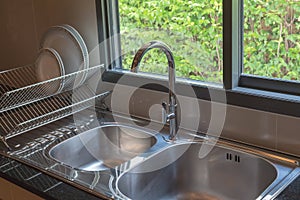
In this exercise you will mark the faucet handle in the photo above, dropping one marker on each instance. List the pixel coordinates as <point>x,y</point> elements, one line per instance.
<point>166,115</point>
<point>171,116</point>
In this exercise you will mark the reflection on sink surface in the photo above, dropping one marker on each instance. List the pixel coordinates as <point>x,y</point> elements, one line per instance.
<point>223,174</point>
<point>103,147</point>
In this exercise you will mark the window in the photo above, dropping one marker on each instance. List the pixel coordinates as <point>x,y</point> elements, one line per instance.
<point>192,29</point>
<point>272,38</point>
<point>271,45</point>
<point>240,43</point>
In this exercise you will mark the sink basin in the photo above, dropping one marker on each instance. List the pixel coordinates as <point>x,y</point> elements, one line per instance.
<point>103,147</point>
<point>178,173</point>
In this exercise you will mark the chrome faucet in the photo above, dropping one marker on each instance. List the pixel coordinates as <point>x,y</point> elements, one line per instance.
<point>170,109</point>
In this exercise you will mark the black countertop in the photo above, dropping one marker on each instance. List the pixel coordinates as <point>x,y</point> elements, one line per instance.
<point>292,192</point>
<point>39,183</point>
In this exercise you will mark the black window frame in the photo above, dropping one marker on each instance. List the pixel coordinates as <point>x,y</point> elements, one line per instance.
<point>260,82</point>
<point>266,94</point>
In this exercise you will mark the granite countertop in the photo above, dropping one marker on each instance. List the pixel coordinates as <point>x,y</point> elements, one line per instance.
<point>39,183</point>
<point>292,192</point>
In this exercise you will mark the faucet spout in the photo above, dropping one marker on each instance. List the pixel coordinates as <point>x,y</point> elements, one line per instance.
<point>172,107</point>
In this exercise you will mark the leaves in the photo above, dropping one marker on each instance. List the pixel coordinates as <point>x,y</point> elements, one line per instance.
<point>272,39</point>
<point>193,30</point>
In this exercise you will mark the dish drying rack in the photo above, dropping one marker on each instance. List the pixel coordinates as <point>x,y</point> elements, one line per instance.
<point>26,104</point>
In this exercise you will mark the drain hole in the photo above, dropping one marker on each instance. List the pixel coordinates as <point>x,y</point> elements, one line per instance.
<point>229,156</point>
<point>237,158</point>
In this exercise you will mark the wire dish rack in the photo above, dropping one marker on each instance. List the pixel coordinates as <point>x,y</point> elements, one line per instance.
<point>26,104</point>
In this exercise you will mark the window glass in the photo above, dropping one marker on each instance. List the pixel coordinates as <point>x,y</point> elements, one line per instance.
<point>192,29</point>
<point>272,38</point>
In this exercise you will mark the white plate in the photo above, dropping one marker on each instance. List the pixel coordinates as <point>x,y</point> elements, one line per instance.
<point>83,48</point>
<point>67,44</point>
<point>49,65</point>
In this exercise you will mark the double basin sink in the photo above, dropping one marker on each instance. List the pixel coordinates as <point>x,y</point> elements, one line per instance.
<point>167,170</point>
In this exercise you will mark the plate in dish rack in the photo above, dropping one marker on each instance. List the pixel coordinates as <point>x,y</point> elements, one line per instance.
<point>72,49</point>
<point>83,47</point>
<point>49,65</point>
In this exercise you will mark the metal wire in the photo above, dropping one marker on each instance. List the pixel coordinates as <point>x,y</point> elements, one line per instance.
<point>31,105</point>
<point>19,86</point>
<point>28,117</point>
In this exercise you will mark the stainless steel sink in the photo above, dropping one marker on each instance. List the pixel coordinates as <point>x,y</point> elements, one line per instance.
<point>103,147</point>
<point>178,173</point>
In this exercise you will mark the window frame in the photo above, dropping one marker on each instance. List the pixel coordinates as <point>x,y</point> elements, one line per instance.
<point>261,93</point>
<point>253,81</point>
<point>109,33</point>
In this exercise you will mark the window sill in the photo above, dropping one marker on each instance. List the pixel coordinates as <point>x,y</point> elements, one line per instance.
<point>267,94</point>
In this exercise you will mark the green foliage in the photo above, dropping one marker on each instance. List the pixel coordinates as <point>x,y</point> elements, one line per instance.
<point>193,30</point>
<point>272,39</point>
